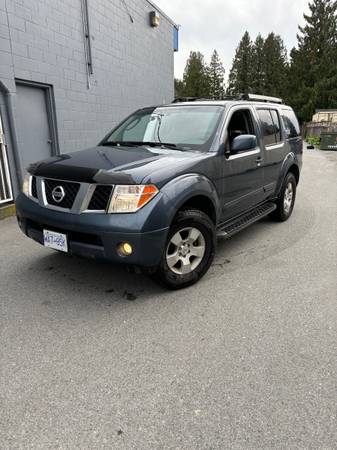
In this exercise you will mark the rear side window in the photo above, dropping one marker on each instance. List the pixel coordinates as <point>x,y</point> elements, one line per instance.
<point>291,124</point>
<point>277,125</point>
<point>269,129</point>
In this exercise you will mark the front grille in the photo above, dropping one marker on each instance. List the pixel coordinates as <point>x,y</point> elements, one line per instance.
<point>70,189</point>
<point>34,187</point>
<point>100,198</point>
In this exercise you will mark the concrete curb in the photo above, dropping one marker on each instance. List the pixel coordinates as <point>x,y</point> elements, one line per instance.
<point>7,211</point>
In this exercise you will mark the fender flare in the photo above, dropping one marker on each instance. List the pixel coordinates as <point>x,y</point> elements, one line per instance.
<point>187,186</point>
<point>177,192</point>
<point>289,160</point>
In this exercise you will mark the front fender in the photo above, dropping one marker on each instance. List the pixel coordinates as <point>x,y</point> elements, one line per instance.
<point>179,190</point>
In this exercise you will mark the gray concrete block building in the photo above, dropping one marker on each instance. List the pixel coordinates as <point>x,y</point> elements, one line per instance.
<point>71,69</point>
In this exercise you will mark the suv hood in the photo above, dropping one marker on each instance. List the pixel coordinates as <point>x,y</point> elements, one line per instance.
<point>119,165</point>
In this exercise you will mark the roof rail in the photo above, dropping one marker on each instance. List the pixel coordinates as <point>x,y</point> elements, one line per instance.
<point>188,99</point>
<point>261,98</point>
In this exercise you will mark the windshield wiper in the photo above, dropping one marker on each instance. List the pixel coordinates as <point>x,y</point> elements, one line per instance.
<point>120,144</point>
<point>140,143</point>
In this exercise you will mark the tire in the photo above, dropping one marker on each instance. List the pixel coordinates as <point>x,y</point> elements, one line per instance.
<point>189,250</point>
<point>286,200</point>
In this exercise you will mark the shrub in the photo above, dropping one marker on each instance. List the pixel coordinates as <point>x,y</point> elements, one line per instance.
<point>314,140</point>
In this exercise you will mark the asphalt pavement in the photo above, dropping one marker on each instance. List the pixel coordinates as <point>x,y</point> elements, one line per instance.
<point>92,357</point>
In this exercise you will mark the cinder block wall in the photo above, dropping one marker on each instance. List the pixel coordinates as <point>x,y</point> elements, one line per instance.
<point>42,41</point>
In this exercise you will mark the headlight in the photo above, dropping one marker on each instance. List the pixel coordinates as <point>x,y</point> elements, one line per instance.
<point>26,184</point>
<point>130,198</point>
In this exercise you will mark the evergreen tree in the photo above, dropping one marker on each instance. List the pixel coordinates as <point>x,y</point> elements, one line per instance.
<point>258,60</point>
<point>313,71</point>
<point>240,76</point>
<point>179,88</point>
<point>274,66</point>
<point>216,74</point>
<point>196,80</point>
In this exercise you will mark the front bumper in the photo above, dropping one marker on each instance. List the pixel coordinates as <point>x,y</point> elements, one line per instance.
<point>91,235</point>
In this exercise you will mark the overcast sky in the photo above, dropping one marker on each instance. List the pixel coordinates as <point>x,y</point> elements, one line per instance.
<point>220,24</point>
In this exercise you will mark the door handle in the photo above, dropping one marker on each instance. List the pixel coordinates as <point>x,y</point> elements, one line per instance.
<point>49,141</point>
<point>259,160</point>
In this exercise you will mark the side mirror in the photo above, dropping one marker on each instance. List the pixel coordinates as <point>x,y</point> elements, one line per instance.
<point>243,143</point>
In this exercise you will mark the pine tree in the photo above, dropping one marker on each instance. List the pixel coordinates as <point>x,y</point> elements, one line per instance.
<point>313,71</point>
<point>258,75</point>
<point>216,74</point>
<point>274,66</point>
<point>240,76</point>
<point>196,80</point>
<point>179,88</point>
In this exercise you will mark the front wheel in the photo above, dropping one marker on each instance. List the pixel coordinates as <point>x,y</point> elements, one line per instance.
<point>286,201</point>
<point>189,250</point>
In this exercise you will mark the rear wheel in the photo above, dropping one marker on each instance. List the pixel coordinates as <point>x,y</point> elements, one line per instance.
<point>189,250</point>
<point>286,201</point>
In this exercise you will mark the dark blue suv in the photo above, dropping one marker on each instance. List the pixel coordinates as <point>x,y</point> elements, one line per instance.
<point>158,190</point>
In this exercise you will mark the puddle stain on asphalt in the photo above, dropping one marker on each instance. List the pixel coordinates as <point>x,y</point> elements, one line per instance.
<point>78,285</point>
<point>129,296</point>
<point>46,303</point>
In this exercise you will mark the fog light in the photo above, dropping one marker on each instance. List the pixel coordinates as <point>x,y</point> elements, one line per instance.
<point>124,249</point>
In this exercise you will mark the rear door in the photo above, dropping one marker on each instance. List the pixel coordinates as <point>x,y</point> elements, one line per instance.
<point>274,145</point>
<point>292,132</point>
<point>243,172</point>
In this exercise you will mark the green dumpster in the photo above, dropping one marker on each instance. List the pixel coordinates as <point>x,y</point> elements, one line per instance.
<point>328,141</point>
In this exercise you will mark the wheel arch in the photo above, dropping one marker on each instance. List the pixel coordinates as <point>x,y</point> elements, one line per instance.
<point>289,165</point>
<point>202,203</point>
<point>295,171</point>
<point>192,191</point>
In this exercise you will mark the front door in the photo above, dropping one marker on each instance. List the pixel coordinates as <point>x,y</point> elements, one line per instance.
<point>34,128</point>
<point>243,172</point>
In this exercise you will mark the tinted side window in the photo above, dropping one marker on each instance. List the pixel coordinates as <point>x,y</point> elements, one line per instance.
<point>240,123</point>
<point>267,125</point>
<point>291,124</point>
<point>277,126</point>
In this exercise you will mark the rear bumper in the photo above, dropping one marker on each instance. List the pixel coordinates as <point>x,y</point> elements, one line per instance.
<point>92,235</point>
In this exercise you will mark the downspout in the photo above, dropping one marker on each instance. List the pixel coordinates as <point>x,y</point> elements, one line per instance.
<point>14,141</point>
<point>87,40</point>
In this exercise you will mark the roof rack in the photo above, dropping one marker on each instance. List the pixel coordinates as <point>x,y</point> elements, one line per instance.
<point>261,98</point>
<point>188,99</point>
<point>244,97</point>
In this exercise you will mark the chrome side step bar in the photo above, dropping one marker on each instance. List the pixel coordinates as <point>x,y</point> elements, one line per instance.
<point>232,227</point>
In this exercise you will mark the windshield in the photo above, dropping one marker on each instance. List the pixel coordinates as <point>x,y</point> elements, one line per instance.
<point>181,127</point>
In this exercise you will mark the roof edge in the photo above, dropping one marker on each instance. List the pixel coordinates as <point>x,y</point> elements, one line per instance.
<point>162,13</point>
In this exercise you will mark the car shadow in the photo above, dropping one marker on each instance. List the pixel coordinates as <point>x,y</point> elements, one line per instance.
<point>73,276</point>
<point>105,283</point>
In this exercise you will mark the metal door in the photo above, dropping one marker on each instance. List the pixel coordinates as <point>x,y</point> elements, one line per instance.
<point>6,194</point>
<point>34,128</point>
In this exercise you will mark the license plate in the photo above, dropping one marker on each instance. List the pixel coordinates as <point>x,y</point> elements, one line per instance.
<point>57,241</point>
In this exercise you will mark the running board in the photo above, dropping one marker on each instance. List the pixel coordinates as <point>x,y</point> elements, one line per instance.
<point>234,226</point>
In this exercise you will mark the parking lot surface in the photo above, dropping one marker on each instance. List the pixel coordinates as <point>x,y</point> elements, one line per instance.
<point>94,357</point>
